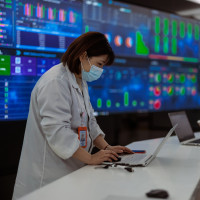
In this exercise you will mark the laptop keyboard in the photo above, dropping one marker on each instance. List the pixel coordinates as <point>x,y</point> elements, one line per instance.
<point>133,158</point>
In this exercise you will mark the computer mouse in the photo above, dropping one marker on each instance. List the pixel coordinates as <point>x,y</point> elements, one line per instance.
<point>118,159</point>
<point>157,193</point>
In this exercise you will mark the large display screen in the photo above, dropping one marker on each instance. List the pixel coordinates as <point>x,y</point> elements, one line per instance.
<point>174,37</point>
<point>51,25</point>
<point>18,76</point>
<point>157,54</point>
<point>126,27</point>
<point>121,88</point>
<point>173,86</point>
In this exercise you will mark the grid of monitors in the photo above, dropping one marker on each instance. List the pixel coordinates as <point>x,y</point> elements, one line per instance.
<point>157,54</point>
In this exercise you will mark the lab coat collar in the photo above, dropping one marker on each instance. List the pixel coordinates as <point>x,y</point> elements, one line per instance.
<point>72,78</point>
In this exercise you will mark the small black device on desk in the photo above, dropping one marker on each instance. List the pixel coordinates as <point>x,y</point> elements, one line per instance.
<point>158,193</point>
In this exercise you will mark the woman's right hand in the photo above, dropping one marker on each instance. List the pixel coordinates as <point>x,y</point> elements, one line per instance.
<point>101,156</point>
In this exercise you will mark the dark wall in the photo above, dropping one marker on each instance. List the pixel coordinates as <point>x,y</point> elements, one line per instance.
<point>120,129</point>
<point>11,142</point>
<point>11,139</point>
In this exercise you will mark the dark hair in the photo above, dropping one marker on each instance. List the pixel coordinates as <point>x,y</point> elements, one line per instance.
<point>94,43</point>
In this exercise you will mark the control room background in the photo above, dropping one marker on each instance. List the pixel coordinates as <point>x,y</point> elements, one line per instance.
<point>156,69</point>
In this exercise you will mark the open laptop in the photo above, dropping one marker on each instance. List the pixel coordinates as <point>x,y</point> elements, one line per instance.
<point>184,130</point>
<point>137,160</point>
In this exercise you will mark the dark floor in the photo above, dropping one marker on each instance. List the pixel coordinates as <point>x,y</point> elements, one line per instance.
<point>6,185</point>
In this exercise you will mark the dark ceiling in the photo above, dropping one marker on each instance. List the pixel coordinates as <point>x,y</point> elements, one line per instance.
<point>172,6</point>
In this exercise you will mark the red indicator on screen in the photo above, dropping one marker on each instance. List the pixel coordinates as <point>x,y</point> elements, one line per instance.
<point>157,91</point>
<point>157,104</point>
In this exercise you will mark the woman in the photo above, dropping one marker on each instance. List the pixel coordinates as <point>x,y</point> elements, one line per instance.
<point>61,129</point>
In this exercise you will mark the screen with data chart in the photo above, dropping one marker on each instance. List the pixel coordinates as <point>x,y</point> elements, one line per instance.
<point>157,54</point>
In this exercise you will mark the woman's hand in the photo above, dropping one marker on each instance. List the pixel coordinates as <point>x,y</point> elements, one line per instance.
<point>119,149</point>
<point>101,156</point>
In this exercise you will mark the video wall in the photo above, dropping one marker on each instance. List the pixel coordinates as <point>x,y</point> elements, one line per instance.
<point>157,54</point>
<point>146,85</point>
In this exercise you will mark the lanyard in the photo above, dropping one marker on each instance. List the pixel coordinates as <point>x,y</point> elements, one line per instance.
<point>81,110</point>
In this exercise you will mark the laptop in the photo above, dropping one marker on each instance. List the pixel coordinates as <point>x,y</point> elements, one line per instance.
<point>184,130</point>
<point>142,160</point>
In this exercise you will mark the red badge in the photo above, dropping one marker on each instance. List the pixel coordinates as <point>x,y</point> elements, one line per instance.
<point>82,136</point>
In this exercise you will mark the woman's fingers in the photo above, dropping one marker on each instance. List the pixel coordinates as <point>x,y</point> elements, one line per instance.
<point>118,150</point>
<point>128,150</point>
<point>111,155</point>
<point>114,153</point>
<point>124,149</point>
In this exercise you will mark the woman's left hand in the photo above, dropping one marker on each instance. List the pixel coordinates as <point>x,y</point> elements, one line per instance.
<point>119,149</point>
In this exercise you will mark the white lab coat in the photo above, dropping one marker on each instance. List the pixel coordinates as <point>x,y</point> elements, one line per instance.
<point>51,131</point>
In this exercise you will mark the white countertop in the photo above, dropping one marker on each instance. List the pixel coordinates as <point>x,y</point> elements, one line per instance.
<point>175,169</point>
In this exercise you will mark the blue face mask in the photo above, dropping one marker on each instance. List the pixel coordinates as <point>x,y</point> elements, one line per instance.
<point>94,73</point>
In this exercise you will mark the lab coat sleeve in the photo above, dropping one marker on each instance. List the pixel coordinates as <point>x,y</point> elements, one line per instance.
<point>54,102</point>
<point>94,127</point>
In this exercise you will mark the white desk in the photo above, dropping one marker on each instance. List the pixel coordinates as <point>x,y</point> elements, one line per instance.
<point>176,169</point>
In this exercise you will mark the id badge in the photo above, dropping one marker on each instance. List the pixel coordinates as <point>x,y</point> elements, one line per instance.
<point>82,136</point>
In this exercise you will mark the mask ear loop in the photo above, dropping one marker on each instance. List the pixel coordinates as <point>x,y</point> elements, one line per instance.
<point>82,66</point>
<point>89,61</point>
<point>82,69</point>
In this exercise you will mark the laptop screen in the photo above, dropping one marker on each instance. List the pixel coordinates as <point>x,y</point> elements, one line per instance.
<point>184,130</point>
